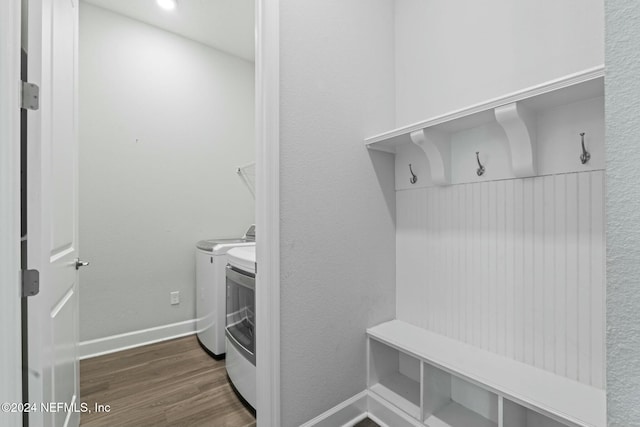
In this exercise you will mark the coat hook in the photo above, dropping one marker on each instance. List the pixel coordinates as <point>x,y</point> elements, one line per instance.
<point>480,170</point>
<point>414,177</point>
<point>585,156</point>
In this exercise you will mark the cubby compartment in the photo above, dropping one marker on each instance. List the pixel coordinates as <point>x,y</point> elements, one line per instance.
<point>450,401</point>
<point>442,382</point>
<point>395,376</point>
<point>514,415</point>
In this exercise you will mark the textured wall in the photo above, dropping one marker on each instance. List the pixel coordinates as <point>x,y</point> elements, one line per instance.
<point>337,199</point>
<point>450,55</point>
<point>164,122</point>
<point>623,211</point>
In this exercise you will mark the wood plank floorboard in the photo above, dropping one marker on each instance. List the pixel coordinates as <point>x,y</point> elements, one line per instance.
<point>172,383</point>
<point>366,423</point>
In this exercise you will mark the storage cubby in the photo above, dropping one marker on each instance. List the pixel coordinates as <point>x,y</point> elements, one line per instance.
<point>450,401</point>
<point>395,376</point>
<point>514,415</point>
<point>441,382</point>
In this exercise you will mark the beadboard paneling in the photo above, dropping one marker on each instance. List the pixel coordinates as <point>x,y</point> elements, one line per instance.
<point>515,267</point>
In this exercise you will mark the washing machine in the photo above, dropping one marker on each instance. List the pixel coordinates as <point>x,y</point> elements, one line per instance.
<point>241,322</point>
<point>211,260</point>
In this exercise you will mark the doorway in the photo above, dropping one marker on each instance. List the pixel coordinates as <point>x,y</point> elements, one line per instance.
<point>267,135</point>
<point>268,201</point>
<point>166,119</point>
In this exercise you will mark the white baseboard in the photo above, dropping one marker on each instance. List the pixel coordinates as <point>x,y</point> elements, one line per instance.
<point>106,345</point>
<point>344,414</point>
<point>362,405</point>
<point>385,414</point>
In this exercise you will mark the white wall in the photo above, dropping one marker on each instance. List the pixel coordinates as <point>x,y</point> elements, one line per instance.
<point>623,212</point>
<point>337,200</point>
<point>450,55</point>
<point>164,122</point>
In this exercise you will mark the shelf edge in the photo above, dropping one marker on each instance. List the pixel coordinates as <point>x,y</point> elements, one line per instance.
<point>550,86</point>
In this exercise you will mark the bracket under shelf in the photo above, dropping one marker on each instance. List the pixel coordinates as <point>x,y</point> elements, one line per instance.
<point>514,112</point>
<point>435,145</point>
<point>518,124</point>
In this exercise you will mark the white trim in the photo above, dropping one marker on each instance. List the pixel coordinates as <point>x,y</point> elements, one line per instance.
<point>362,405</point>
<point>376,420</point>
<point>553,85</point>
<point>386,414</point>
<point>357,419</point>
<point>268,213</point>
<point>114,343</point>
<point>10,351</point>
<point>347,413</point>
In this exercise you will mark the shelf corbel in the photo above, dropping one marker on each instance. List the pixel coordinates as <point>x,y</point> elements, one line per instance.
<point>517,123</point>
<point>435,145</point>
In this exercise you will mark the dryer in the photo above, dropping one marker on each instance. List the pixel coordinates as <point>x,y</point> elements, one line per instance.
<point>241,322</point>
<point>211,259</point>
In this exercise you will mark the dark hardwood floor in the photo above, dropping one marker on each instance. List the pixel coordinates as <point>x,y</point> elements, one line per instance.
<point>172,383</point>
<point>366,423</point>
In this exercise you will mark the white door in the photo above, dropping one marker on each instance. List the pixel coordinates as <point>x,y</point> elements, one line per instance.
<point>52,228</point>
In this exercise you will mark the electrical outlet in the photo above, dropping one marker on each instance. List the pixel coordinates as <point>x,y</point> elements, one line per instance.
<point>175,298</point>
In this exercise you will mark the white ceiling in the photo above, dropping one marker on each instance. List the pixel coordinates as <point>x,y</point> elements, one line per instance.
<point>227,25</point>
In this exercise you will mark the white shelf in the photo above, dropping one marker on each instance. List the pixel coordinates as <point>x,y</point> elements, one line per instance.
<point>456,415</point>
<point>400,391</point>
<point>513,112</point>
<point>573,88</point>
<point>531,387</point>
<point>515,415</point>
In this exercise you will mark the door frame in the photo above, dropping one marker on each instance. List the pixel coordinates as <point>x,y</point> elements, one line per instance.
<point>267,205</point>
<point>10,355</point>
<point>268,212</point>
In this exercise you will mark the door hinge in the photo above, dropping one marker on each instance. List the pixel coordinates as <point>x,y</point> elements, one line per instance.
<point>30,96</point>
<point>30,283</point>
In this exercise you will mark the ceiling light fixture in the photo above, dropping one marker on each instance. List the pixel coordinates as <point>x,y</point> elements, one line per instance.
<point>167,4</point>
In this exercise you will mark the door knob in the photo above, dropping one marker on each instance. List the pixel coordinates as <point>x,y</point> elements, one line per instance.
<point>80,263</point>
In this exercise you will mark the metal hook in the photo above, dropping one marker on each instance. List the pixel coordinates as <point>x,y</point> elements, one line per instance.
<point>480,170</point>
<point>414,177</point>
<point>585,156</point>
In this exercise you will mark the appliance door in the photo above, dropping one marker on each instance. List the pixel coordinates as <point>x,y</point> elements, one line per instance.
<point>240,322</point>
